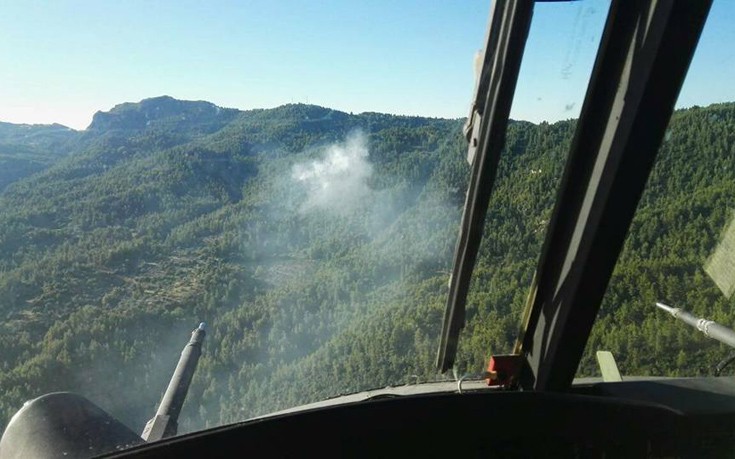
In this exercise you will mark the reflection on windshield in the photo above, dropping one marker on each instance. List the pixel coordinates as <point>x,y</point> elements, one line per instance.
<point>721,265</point>
<point>557,62</point>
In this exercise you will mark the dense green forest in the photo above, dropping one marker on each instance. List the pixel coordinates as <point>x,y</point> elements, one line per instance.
<point>317,246</point>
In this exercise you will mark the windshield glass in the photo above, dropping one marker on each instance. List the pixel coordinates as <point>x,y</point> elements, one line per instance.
<point>680,249</point>
<point>292,175</point>
<point>549,94</point>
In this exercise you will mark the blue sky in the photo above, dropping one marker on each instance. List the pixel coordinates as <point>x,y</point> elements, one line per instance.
<point>63,60</point>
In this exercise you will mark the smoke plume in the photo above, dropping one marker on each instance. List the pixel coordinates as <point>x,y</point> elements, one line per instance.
<point>337,181</point>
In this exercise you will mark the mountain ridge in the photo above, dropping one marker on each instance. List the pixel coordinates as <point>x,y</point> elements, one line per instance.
<point>134,115</point>
<point>164,122</point>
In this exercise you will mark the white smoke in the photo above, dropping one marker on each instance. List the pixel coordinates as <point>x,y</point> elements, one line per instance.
<point>337,181</point>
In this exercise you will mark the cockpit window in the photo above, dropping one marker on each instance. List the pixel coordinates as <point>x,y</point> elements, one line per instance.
<point>291,175</point>
<point>679,250</point>
<point>549,94</point>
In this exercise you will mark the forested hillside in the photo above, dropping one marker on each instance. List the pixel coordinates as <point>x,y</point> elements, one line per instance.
<point>27,149</point>
<point>316,245</point>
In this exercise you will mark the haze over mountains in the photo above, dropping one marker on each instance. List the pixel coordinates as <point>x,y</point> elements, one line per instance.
<point>317,246</point>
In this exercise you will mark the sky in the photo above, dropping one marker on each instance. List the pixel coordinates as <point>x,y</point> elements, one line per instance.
<point>63,60</point>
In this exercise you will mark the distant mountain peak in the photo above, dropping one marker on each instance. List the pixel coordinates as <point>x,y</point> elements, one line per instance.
<point>35,126</point>
<point>162,111</point>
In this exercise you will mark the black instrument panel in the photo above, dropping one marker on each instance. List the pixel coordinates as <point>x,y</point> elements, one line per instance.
<point>689,417</point>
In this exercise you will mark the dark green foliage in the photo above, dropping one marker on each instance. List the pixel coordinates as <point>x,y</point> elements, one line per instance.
<point>169,212</point>
<point>27,149</point>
